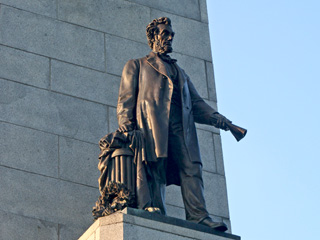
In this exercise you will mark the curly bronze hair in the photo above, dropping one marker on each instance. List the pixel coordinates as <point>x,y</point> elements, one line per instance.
<point>152,29</point>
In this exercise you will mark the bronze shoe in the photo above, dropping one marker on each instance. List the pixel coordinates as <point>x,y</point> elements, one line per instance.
<point>219,226</point>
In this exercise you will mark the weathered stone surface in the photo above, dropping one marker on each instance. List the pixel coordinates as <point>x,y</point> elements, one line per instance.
<point>118,17</point>
<point>188,9</point>
<point>211,82</point>
<point>16,227</point>
<point>148,233</point>
<point>52,112</point>
<point>113,122</point>
<point>46,198</point>
<point>92,237</point>
<point>52,38</point>
<point>203,11</point>
<point>43,7</point>
<point>208,128</point>
<point>218,153</point>
<point>120,50</point>
<point>84,83</point>
<point>195,69</point>
<point>174,196</point>
<point>24,67</point>
<point>29,150</point>
<point>70,233</point>
<point>207,150</point>
<point>79,161</point>
<point>121,231</point>
<point>92,230</point>
<point>137,224</point>
<point>215,192</point>
<point>176,227</point>
<point>174,211</point>
<point>191,38</point>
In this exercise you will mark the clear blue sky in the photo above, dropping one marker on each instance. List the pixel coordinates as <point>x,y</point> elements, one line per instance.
<point>266,57</point>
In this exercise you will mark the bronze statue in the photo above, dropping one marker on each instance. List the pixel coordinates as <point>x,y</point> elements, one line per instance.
<point>157,98</point>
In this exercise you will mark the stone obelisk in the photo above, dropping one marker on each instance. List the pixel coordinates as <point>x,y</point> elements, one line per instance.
<point>60,69</point>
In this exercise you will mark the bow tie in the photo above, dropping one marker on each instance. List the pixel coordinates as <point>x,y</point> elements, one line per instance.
<point>167,58</point>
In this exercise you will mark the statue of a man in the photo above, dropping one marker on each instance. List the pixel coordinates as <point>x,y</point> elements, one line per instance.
<point>157,97</point>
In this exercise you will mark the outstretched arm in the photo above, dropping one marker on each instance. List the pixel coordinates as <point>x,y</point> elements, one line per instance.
<point>127,100</point>
<point>203,113</point>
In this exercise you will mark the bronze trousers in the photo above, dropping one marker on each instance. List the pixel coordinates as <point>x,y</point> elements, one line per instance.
<point>190,173</point>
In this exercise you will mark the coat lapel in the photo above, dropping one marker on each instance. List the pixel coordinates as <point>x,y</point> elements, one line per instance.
<point>157,63</point>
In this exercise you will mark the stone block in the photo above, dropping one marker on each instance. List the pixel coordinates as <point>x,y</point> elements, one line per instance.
<point>176,212</point>
<point>215,193</point>
<point>120,50</point>
<point>28,150</point>
<point>79,161</point>
<point>203,11</point>
<point>218,153</point>
<point>207,150</point>
<point>84,83</point>
<point>138,224</point>
<point>186,8</point>
<point>16,227</point>
<point>174,196</point>
<point>211,82</point>
<point>92,237</point>
<point>195,69</point>
<point>43,7</point>
<point>191,37</point>
<point>70,233</point>
<point>52,112</point>
<point>24,67</point>
<point>208,128</point>
<point>117,17</point>
<point>52,38</point>
<point>47,199</point>
<point>113,122</point>
<point>147,233</point>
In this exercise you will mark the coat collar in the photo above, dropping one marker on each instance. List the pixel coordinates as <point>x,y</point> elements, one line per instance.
<point>155,61</point>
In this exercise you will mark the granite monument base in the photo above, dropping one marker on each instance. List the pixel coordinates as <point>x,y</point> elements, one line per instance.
<point>134,224</point>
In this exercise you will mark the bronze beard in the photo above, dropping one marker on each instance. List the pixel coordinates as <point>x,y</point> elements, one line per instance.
<point>162,48</point>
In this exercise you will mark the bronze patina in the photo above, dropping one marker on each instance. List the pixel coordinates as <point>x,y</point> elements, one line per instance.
<point>158,107</point>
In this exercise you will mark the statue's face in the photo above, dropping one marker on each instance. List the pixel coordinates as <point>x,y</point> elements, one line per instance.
<point>163,40</point>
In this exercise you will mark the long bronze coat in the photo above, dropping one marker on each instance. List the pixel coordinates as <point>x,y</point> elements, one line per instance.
<point>144,103</point>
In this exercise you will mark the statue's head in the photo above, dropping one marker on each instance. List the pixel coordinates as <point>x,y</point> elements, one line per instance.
<point>160,35</point>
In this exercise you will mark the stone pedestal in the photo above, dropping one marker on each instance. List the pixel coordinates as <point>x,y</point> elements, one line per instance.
<point>134,224</point>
